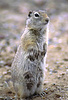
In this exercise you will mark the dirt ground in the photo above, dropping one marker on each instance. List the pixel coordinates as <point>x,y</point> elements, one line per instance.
<point>12,23</point>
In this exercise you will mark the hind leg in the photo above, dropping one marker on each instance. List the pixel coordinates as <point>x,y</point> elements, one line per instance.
<point>39,89</point>
<point>20,91</point>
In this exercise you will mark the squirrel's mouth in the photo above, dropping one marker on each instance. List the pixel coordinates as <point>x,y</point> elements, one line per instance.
<point>45,23</point>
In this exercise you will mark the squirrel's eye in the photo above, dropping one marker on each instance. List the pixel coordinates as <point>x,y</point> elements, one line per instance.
<point>36,15</point>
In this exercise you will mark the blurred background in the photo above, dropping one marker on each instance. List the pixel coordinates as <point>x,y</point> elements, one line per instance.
<point>13,14</point>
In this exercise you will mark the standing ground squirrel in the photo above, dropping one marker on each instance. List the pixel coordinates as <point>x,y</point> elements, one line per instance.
<point>28,67</point>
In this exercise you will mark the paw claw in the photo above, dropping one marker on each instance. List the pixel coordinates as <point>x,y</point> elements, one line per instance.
<point>42,94</point>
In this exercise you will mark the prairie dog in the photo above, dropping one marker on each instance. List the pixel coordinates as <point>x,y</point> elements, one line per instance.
<point>28,67</point>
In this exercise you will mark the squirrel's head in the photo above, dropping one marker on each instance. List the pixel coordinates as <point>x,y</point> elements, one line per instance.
<point>37,20</point>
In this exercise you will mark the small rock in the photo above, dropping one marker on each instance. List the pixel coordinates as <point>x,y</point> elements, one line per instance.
<point>5,72</point>
<point>54,71</point>
<point>53,84</point>
<point>40,2</point>
<point>57,95</point>
<point>65,59</point>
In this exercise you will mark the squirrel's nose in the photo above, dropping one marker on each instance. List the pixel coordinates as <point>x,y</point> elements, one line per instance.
<point>47,20</point>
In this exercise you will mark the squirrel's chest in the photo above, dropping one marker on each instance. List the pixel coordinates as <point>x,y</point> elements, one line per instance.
<point>37,54</point>
<point>32,41</point>
<point>34,47</point>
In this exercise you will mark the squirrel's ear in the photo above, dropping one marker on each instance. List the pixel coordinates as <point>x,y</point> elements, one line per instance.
<point>29,15</point>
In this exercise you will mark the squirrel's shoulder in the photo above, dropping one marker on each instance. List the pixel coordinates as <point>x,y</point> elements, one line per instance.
<point>27,40</point>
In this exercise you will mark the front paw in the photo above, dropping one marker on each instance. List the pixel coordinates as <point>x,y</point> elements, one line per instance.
<point>33,54</point>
